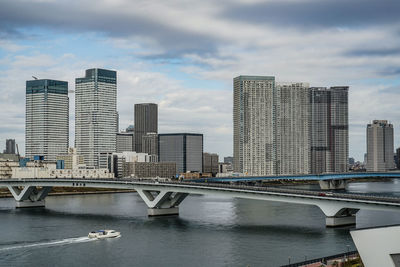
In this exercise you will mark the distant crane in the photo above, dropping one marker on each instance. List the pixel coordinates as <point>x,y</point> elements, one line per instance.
<point>34,77</point>
<point>19,158</point>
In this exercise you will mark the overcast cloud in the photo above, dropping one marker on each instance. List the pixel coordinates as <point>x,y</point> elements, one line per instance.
<point>184,54</point>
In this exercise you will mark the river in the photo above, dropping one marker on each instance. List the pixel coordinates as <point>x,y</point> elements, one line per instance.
<point>210,231</point>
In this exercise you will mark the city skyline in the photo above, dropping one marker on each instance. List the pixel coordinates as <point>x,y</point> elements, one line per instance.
<point>278,84</point>
<point>187,68</point>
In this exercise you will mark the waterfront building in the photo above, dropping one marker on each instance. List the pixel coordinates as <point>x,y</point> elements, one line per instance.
<point>185,149</point>
<point>125,141</point>
<point>292,128</point>
<point>150,144</point>
<point>7,163</point>
<point>210,163</point>
<point>146,121</point>
<point>150,169</point>
<point>116,162</point>
<point>96,114</point>
<point>254,148</point>
<point>380,146</point>
<point>329,129</point>
<point>72,160</point>
<point>46,119</point>
<point>10,146</point>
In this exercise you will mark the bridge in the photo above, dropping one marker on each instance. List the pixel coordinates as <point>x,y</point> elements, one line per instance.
<point>327,181</point>
<point>163,198</point>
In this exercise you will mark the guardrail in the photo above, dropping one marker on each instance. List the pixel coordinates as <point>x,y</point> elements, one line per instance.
<point>324,259</point>
<point>317,194</point>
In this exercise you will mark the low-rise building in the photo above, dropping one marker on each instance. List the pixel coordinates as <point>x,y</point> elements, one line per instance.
<point>52,172</point>
<point>72,160</point>
<point>7,163</point>
<point>115,162</point>
<point>150,169</point>
<point>210,163</point>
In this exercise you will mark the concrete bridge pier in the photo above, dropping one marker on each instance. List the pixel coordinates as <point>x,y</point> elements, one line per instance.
<point>29,196</point>
<point>332,184</point>
<point>162,202</point>
<point>338,216</point>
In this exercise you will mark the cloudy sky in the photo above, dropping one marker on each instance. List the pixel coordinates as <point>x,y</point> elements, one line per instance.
<point>184,54</point>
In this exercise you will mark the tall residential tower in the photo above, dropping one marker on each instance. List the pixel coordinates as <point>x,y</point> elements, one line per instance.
<point>95,114</point>
<point>47,118</point>
<point>329,129</point>
<point>288,128</point>
<point>380,149</point>
<point>292,127</point>
<point>254,150</point>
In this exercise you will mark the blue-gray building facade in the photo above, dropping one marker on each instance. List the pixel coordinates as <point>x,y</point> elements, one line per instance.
<point>185,149</point>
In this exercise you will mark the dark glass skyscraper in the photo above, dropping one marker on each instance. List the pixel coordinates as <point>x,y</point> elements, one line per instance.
<point>10,146</point>
<point>146,121</point>
<point>186,149</point>
<point>329,129</point>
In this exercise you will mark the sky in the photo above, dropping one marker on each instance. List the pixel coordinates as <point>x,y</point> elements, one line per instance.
<point>183,56</point>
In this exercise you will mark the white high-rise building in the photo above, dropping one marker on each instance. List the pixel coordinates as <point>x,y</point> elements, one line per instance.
<point>96,114</point>
<point>288,128</point>
<point>47,118</point>
<point>254,148</point>
<point>292,122</point>
<point>380,151</point>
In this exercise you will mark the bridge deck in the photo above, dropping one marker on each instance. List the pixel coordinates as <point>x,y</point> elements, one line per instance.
<point>179,186</point>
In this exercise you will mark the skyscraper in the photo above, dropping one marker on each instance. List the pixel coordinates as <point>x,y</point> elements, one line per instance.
<point>96,114</point>
<point>146,121</point>
<point>185,149</point>
<point>254,148</point>
<point>292,123</point>
<point>329,129</point>
<point>10,146</point>
<point>47,118</point>
<point>380,149</point>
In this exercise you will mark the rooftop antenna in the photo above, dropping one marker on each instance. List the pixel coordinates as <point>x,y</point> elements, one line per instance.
<point>34,77</point>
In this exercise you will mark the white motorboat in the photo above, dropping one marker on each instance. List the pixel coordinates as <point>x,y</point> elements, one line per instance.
<point>101,234</point>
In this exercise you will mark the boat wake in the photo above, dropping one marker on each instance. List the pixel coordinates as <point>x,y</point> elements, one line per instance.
<point>49,243</point>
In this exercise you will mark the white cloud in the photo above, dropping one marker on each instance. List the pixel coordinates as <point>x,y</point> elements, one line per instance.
<point>151,37</point>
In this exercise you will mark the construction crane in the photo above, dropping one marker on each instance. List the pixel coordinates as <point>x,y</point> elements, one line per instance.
<point>19,158</point>
<point>34,77</point>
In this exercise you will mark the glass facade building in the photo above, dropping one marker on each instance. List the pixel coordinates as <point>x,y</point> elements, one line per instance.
<point>185,149</point>
<point>146,121</point>
<point>96,114</point>
<point>329,129</point>
<point>47,118</point>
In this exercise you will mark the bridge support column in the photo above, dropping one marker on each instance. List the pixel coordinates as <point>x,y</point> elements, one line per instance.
<point>29,196</point>
<point>161,203</point>
<point>339,216</point>
<point>336,221</point>
<point>332,184</point>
